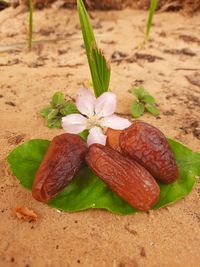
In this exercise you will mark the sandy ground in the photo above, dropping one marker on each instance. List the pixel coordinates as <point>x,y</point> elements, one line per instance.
<point>166,237</point>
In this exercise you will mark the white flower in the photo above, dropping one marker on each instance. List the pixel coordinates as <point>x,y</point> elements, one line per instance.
<point>97,114</point>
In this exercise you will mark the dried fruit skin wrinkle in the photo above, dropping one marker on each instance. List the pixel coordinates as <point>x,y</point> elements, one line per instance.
<point>148,146</point>
<point>62,161</point>
<point>124,176</point>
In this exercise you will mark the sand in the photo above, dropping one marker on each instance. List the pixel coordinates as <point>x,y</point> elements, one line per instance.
<point>166,237</point>
<point>185,6</point>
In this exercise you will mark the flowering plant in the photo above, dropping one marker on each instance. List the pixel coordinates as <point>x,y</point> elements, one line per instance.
<point>96,114</point>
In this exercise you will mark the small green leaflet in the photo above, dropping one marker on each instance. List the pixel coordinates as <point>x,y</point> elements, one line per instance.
<point>86,190</point>
<point>45,111</point>
<point>68,108</point>
<point>140,92</point>
<point>144,102</point>
<point>148,99</point>
<point>152,109</point>
<point>137,109</point>
<point>57,99</point>
<point>57,109</point>
<point>99,68</point>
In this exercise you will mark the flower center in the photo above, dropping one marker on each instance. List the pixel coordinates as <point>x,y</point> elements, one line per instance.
<point>93,121</point>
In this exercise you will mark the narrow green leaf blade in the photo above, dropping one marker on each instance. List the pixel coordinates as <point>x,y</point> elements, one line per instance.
<point>137,109</point>
<point>100,70</point>
<point>87,32</point>
<point>152,10</point>
<point>30,34</point>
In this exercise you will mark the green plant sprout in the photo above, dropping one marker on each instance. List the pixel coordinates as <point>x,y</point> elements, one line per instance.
<point>99,68</point>
<point>57,109</point>
<point>144,102</point>
<point>30,33</point>
<point>152,10</point>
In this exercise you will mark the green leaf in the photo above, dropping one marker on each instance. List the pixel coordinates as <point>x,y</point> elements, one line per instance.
<point>99,68</point>
<point>151,108</point>
<point>152,10</point>
<point>137,109</point>
<point>68,108</point>
<point>189,169</point>
<point>29,156</point>
<point>100,72</point>
<point>87,191</point>
<point>145,101</point>
<point>54,122</point>
<point>148,99</point>
<point>58,109</point>
<point>52,115</point>
<point>57,99</point>
<point>30,34</point>
<point>45,111</point>
<point>139,92</point>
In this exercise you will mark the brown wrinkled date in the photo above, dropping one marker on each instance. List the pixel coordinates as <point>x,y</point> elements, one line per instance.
<point>148,145</point>
<point>62,161</point>
<point>112,139</point>
<point>126,177</point>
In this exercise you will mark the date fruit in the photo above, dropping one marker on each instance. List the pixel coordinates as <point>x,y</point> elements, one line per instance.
<point>63,159</point>
<point>149,147</point>
<point>124,176</point>
<point>112,139</point>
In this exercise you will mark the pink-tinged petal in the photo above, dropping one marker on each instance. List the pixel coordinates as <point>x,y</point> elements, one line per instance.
<point>105,104</point>
<point>85,102</point>
<point>74,123</point>
<point>115,122</point>
<point>96,136</point>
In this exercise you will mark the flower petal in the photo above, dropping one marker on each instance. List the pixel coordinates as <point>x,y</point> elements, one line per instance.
<point>85,102</point>
<point>115,122</point>
<point>74,123</point>
<point>105,104</point>
<point>96,136</point>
